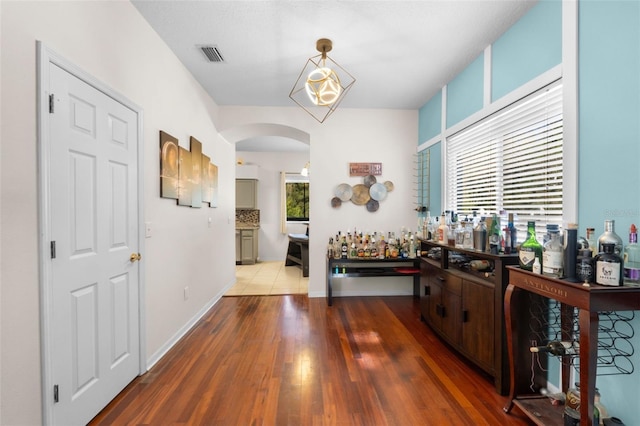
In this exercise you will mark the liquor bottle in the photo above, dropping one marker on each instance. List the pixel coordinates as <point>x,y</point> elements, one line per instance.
<point>530,249</point>
<point>330,248</point>
<point>609,236</point>
<point>584,267</point>
<point>513,232</point>
<point>381,247</point>
<point>480,265</point>
<point>556,347</point>
<point>593,243</point>
<point>494,235</point>
<point>632,258</point>
<point>337,250</point>
<point>609,269</point>
<point>443,231</point>
<point>537,266</point>
<point>344,249</point>
<point>552,256</point>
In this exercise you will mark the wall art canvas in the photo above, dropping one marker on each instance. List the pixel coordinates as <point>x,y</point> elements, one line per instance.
<point>169,168</point>
<point>196,173</point>
<point>213,173</point>
<point>185,187</point>
<point>206,180</point>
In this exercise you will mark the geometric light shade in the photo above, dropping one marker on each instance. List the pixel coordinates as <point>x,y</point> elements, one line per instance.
<point>322,84</point>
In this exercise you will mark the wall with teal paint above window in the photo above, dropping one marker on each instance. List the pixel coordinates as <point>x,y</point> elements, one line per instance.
<point>429,119</point>
<point>523,36</point>
<point>609,150</point>
<point>530,47</point>
<point>465,92</point>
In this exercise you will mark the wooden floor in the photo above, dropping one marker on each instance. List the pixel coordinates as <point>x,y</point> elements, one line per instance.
<point>291,360</point>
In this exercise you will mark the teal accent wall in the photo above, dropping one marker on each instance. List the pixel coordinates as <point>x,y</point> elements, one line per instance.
<point>609,149</point>
<point>465,92</point>
<point>609,130</point>
<point>429,118</point>
<point>530,47</point>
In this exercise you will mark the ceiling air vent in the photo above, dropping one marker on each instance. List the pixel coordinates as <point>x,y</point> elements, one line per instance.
<point>212,53</point>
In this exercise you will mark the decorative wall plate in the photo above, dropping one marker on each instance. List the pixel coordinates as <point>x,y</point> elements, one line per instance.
<point>360,195</point>
<point>369,180</point>
<point>378,191</point>
<point>389,185</point>
<point>343,192</point>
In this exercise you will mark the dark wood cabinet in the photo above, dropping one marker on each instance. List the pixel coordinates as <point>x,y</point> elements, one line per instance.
<point>465,307</point>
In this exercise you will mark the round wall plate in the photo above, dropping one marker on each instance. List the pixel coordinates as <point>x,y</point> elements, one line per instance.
<point>378,191</point>
<point>360,195</point>
<point>343,192</point>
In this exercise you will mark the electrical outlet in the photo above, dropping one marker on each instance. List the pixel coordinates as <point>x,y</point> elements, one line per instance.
<point>186,293</point>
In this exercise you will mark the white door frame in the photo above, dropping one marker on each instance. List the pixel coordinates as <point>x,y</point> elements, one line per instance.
<point>46,56</point>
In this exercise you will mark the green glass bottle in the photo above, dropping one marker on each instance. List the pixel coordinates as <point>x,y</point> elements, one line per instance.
<point>530,248</point>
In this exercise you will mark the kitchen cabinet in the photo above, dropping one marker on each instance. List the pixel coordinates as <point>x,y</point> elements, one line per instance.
<point>238,246</point>
<point>246,193</point>
<point>465,307</point>
<point>246,246</point>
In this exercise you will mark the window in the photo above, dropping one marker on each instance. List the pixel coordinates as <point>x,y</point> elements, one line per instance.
<point>511,160</point>
<point>297,191</point>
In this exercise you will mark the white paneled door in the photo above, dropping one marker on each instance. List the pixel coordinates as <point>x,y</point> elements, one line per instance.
<point>94,315</point>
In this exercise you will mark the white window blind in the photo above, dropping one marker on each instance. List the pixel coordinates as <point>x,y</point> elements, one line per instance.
<point>511,160</point>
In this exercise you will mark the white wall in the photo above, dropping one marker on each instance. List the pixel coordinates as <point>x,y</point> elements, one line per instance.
<point>375,135</point>
<point>112,42</point>
<point>272,244</point>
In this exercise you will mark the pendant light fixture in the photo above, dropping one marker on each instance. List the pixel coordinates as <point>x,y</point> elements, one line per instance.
<point>322,83</point>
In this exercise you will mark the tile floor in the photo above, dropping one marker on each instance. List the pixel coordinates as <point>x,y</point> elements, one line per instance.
<point>267,278</point>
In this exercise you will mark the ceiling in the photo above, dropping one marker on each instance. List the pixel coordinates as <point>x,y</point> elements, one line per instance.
<point>400,52</point>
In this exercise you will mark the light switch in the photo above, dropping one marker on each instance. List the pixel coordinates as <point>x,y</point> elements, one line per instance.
<point>147,229</point>
<point>210,222</point>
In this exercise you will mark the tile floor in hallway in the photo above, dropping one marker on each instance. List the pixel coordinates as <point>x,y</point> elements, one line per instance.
<point>265,278</point>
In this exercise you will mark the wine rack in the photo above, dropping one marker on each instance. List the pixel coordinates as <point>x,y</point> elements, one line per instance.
<point>615,332</point>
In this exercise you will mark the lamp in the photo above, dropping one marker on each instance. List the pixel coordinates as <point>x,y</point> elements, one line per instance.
<point>322,83</point>
<point>305,169</point>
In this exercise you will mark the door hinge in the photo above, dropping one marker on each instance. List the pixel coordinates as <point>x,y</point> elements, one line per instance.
<point>51,103</point>
<point>427,290</point>
<point>56,397</point>
<point>53,249</point>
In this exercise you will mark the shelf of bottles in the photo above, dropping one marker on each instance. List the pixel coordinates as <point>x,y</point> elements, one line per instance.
<point>374,245</point>
<point>421,181</point>
<point>615,333</point>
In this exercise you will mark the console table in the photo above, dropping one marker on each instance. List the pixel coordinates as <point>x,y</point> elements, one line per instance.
<point>368,267</point>
<point>589,300</point>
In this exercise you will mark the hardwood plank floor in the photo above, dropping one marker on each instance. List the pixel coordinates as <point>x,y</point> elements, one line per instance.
<point>291,360</point>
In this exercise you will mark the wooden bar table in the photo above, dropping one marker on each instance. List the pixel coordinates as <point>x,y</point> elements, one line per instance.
<point>589,300</point>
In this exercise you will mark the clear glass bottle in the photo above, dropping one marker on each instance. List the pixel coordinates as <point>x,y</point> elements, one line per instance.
<point>443,231</point>
<point>552,256</point>
<point>530,248</point>
<point>609,236</point>
<point>467,239</point>
<point>632,258</point>
<point>609,269</point>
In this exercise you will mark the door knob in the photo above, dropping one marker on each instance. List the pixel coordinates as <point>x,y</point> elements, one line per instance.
<point>134,257</point>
